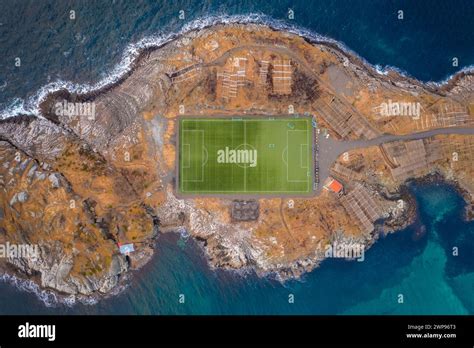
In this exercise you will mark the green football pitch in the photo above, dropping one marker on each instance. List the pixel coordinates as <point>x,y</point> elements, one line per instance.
<point>245,155</point>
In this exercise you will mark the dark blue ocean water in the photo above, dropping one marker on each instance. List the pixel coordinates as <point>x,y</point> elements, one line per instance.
<point>90,48</point>
<point>52,47</point>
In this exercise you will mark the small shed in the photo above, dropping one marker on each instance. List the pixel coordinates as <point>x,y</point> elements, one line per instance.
<point>334,186</point>
<point>126,249</point>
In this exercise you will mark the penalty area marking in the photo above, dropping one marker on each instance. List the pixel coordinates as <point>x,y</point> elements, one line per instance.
<point>300,156</point>
<point>204,155</point>
<point>301,161</point>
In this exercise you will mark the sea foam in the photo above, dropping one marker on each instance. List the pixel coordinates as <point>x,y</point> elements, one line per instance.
<point>30,106</point>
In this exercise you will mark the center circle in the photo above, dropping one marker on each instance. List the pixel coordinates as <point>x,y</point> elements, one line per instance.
<point>244,147</point>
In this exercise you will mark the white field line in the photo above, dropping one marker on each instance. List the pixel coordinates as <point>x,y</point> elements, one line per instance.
<point>201,132</point>
<point>245,140</point>
<point>288,156</point>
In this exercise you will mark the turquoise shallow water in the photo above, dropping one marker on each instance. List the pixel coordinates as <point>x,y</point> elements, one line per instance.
<point>423,270</point>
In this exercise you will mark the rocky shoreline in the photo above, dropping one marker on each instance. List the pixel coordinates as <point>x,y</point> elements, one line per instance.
<point>117,169</point>
<point>357,61</point>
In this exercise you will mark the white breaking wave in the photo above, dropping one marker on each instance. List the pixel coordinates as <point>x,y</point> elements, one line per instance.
<point>51,298</point>
<point>388,68</point>
<point>48,297</point>
<point>466,70</point>
<point>30,106</point>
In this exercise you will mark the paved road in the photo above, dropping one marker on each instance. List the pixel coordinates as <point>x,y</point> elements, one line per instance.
<point>330,149</point>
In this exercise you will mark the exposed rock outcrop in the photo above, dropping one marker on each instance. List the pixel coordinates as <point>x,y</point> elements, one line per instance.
<point>77,186</point>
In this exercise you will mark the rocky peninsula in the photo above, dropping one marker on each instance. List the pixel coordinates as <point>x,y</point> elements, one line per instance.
<point>81,184</point>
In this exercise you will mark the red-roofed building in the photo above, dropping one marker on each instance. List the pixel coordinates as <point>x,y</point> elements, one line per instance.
<point>334,186</point>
